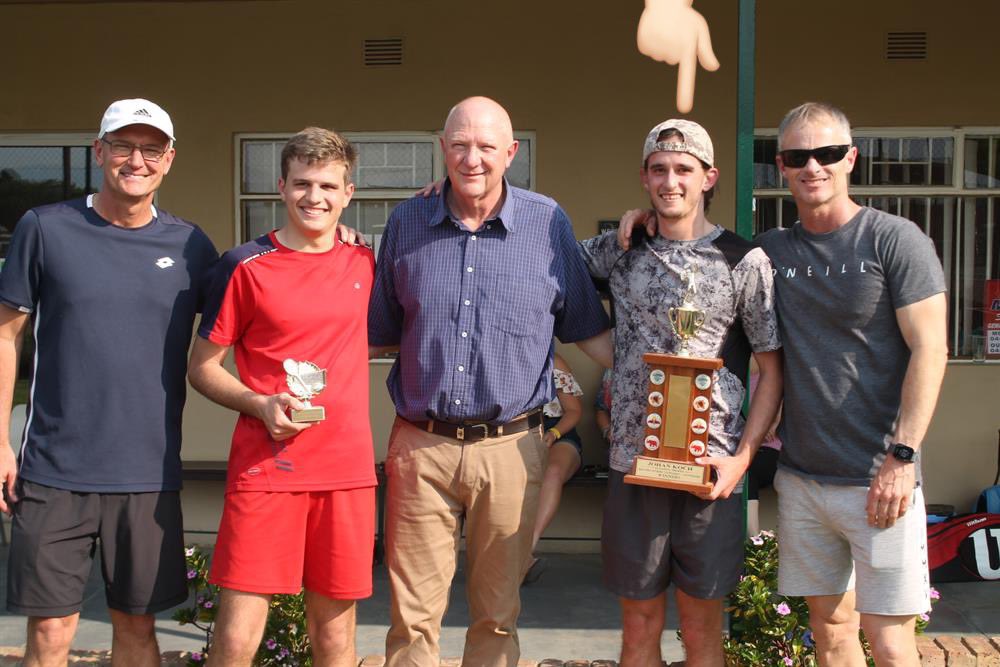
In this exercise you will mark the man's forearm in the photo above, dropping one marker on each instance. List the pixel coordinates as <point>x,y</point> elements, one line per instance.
<point>219,385</point>
<point>599,348</point>
<point>921,387</point>
<point>765,403</point>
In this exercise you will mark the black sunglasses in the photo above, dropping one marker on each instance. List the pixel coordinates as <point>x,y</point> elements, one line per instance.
<point>796,158</point>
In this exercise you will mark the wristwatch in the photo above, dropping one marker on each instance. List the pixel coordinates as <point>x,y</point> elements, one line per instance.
<point>903,452</point>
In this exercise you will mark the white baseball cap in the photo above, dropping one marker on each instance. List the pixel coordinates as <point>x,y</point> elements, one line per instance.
<point>136,112</point>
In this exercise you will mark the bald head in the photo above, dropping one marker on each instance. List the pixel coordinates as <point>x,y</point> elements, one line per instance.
<point>480,112</point>
<point>478,144</point>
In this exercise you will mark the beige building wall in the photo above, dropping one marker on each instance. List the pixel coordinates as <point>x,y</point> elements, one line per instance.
<point>570,72</point>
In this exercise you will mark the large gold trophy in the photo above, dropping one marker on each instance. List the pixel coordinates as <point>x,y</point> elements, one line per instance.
<point>679,406</point>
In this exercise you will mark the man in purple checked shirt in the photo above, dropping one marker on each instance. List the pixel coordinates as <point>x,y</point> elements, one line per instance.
<point>471,285</point>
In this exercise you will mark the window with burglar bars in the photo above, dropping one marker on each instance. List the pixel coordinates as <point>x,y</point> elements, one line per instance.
<point>42,169</point>
<point>391,167</point>
<point>946,181</point>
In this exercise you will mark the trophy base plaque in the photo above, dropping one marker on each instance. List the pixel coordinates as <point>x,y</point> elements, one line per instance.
<point>677,418</point>
<point>311,414</point>
<point>667,474</point>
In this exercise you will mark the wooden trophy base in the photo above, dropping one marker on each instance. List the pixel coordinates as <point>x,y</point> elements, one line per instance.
<point>678,414</point>
<point>668,474</point>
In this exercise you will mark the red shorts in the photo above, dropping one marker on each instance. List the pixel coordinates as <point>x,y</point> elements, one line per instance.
<point>278,542</point>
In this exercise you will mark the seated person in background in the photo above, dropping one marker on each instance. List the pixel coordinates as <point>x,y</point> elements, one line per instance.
<point>565,454</point>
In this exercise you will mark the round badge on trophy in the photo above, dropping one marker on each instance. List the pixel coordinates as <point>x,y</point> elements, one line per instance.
<point>657,376</point>
<point>652,443</point>
<point>655,399</point>
<point>697,448</point>
<point>700,403</point>
<point>654,420</point>
<point>699,426</point>
<point>702,381</point>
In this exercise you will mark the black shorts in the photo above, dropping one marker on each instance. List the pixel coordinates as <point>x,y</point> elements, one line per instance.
<point>761,472</point>
<point>652,537</point>
<point>570,437</point>
<point>55,534</point>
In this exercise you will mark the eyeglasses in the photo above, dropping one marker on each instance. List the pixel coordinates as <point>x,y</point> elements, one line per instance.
<point>125,149</point>
<point>796,158</point>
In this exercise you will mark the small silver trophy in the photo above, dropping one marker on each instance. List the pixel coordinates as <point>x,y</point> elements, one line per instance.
<point>686,319</point>
<point>305,380</point>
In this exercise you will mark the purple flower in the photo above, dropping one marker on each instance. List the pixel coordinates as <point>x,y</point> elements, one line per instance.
<point>270,643</point>
<point>208,604</point>
<point>783,609</point>
<point>788,661</point>
<point>925,618</point>
<point>189,552</point>
<point>808,640</point>
<point>197,657</point>
<point>935,594</point>
<point>757,539</point>
<point>283,652</point>
<point>192,574</point>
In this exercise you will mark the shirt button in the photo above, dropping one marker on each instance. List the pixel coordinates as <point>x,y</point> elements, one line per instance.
<point>468,269</point>
<point>489,226</point>
<point>458,402</point>
<point>461,368</point>
<point>465,334</point>
<point>467,302</point>
<point>473,237</point>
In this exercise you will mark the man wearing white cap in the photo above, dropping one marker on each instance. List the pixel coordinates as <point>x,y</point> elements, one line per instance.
<point>112,286</point>
<point>651,536</point>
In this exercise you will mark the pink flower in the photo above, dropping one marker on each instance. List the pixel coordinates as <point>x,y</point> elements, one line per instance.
<point>788,661</point>
<point>935,594</point>
<point>757,540</point>
<point>925,618</point>
<point>783,609</point>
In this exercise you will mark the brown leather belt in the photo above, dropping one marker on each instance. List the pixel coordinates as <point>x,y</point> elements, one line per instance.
<point>477,432</point>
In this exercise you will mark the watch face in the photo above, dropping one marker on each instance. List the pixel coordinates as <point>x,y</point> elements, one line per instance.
<point>903,452</point>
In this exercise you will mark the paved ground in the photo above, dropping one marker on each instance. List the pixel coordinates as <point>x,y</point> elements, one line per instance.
<point>567,614</point>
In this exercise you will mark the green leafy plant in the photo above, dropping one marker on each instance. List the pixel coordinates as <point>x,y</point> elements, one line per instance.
<point>772,629</point>
<point>285,642</point>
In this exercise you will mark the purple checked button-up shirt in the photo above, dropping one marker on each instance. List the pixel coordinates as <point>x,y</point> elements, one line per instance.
<point>474,312</point>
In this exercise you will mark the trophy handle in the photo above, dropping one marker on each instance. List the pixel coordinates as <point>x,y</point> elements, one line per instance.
<point>701,319</point>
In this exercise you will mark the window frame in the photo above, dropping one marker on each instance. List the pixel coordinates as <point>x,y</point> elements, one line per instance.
<point>438,168</point>
<point>957,189</point>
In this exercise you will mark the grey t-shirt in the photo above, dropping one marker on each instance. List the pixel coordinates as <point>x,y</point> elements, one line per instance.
<point>734,288</point>
<point>845,357</point>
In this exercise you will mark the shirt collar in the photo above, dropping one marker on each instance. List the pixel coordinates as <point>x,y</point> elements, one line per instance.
<point>505,216</point>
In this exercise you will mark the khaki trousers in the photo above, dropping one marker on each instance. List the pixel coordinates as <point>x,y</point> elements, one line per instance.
<point>432,482</point>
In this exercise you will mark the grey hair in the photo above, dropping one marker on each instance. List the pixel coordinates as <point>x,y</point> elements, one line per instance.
<point>812,111</point>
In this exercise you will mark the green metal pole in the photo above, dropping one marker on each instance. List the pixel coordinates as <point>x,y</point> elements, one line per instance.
<point>745,119</point>
<point>744,146</point>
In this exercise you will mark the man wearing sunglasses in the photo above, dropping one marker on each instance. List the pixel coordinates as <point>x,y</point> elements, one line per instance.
<point>112,284</point>
<point>861,300</point>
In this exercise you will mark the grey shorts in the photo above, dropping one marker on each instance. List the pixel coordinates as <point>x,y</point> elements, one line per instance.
<point>55,534</point>
<point>652,537</point>
<point>827,548</point>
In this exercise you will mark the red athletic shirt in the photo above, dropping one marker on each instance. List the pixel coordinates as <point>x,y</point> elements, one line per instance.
<point>272,303</point>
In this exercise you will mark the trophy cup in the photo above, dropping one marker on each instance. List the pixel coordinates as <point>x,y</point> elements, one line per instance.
<point>305,379</point>
<point>679,399</point>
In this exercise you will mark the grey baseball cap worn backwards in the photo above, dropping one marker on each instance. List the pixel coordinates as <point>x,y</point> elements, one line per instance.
<point>136,112</point>
<point>696,141</point>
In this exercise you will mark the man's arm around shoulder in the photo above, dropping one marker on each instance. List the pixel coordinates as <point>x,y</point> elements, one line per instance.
<point>208,376</point>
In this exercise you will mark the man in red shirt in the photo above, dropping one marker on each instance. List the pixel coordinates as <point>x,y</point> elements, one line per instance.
<point>299,508</point>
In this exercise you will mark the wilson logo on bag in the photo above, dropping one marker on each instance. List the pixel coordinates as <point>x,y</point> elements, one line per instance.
<point>965,548</point>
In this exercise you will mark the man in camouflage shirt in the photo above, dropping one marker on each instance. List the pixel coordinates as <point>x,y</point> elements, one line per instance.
<point>652,536</point>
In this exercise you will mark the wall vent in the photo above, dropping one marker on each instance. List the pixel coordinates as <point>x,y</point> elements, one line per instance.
<point>382,52</point>
<point>906,46</point>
